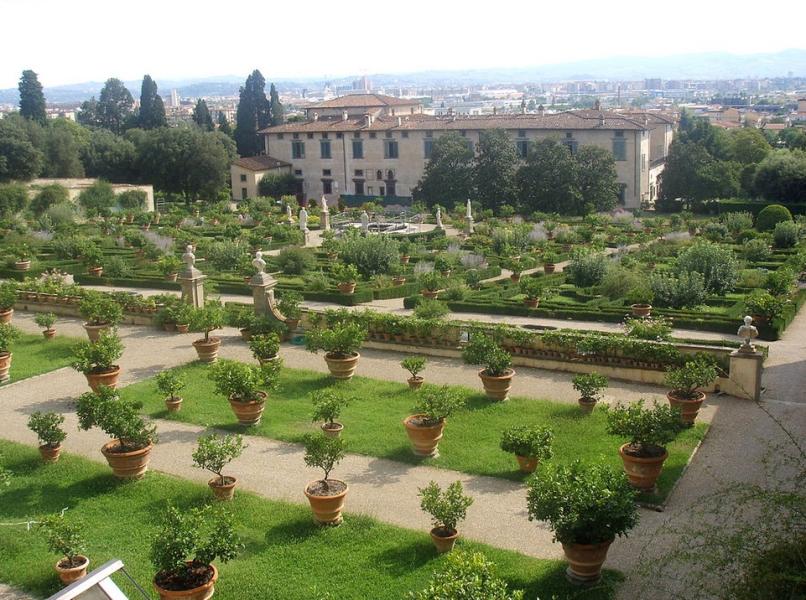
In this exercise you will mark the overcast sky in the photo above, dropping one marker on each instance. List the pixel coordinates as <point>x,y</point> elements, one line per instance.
<point>71,41</point>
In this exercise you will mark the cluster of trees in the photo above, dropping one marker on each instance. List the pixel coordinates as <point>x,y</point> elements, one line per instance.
<point>256,112</point>
<point>551,179</point>
<point>706,162</point>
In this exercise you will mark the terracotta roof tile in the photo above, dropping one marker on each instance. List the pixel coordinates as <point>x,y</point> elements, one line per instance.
<point>260,163</point>
<point>356,100</point>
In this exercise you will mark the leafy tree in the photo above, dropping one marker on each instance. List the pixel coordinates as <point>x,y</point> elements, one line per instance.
<point>277,186</point>
<point>694,175</point>
<point>449,175</point>
<point>48,196</point>
<point>793,138</point>
<point>276,109</point>
<point>781,176</point>
<point>202,116</point>
<point>152,109</point>
<point>13,199</point>
<point>109,156</point>
<point>597,178</point>
<point>19,158</point>
<point>114,105</point>
<point>62,154</point>
<point>252,115</point>
<point>32,100</point>
<point>88,113</point>
<point>749,146</point>
<point>548,180</point>
<point>97,199</point>
<point>496,168</point>
<point>223,124</point>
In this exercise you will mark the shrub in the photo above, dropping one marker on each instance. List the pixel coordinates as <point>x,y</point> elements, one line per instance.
<point>97,199</point>
<point>168,264</point>
<point>371,254</point>
<point>243,382</point>
<point>100,309</point>
<point>785,234</point>
<point>431,281</point>
<point>117,266</point>
<point>648,429</point>
<point>715,232</point>
<point>716,263</point>
<point>344,273</point>
<point>482,350</point>
<point>170,383</point>
<point>456,292</point>
<point>618,281</point>
<point>47,427</point>
<point>8,335</point>
<point>590,385</point>
<point>225,255</point>
<point>47,196</point>
<point>341,340</point>
<point>116,417</point>
<point>265,346</point>
<point>583,504</point>
<point>757,250</point>
<point>214,452</point>
<point>132,200</point>
<point>781,282</point>
<point>428,308</point>
<point>97,357</point>
<point>685,380</point>
<point>446,508</point>
<point>528,441</point>
<point>437,405</point>
<point>323,452</point>
<point>414,364</point>
<point>13,198</point>
<point>737,222</point>
<point>289,304</point>
<point>328,404</point>
<point>207,318</point>
<point>8,296</point>
<point>63,539</point>
<point>772,215</point>
<point>295,261</point>
<point>761,303</point>
<point>687,289</point>
<point>92,256</point>
<point>45,320</point>
<point>533,288</point>
<point>649,328</point>
<point>466,576</point>
<point>189,539</point>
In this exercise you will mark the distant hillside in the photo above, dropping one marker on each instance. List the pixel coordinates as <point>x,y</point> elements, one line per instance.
<point>714,65</point>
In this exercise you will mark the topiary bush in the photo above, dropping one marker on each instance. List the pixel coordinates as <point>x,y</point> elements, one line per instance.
<point>772,215</point>
<point>757,250</point>
<point>715,262</point>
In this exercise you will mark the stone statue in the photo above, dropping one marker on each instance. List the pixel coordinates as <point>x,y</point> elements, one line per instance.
<point>259,263</point>
<point>748,333</point>
<point>439,218</point>
<point>468,212</point>
<point>189,258</point>
<point>288,213</point>
<point>468,219</point>
<point>325,207</point>
<point>364,222</point>
<point>303,219</point>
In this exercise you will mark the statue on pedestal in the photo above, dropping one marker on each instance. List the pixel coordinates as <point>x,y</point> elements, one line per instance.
<point>189,258</point>
<point>259,263</point>
<point>364,222</point>
<point>325,207</point>
<point>439,218</point>
<point>468,219</point>
<point>303,220</point>
<point>748,332</point>
<point>288,213</point>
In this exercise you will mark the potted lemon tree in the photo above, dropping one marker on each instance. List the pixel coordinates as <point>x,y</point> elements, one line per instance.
<point>64,539</point>
<point>213,453</point>
<point>46,321</point>
<point>244,385</point>
<point>206,319</point>
<point>530,445</point>
<point>684,382</point>
<point>170,383</point>
<point>446,509</point>
<point>47,427</point>
<point>340,343</point>
<point>8,335</point>
<point>590,387</point>
<point>96,360</point>
<point>414,365</point>
<point>326,496</point>
<point>8,297</point>
<point>497,372</point>
<point>100,312</point>
<point>425,427</point>
<point>327,407</point>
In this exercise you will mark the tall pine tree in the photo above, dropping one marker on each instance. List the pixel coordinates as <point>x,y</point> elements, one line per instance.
<point>201,115</point>
<point>252,114</point>
<point>276,110</point>
<point>152,110</point>
<point>32,100</point>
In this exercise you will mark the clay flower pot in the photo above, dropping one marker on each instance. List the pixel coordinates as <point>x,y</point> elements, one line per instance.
<point>22,265</point>
<point>5,315</point>
<point>332,429</point>
<point>688,408</point>
<point>527,464</point>
<point>405,259</point>
<point>531,302</point>
<point>585,561</point>
<point>223,491</point>
<point>207,349</point>
<point>416,382</point>
<point>202,592</point>
<point>424,438</point>
<point>67,573</point>
<point>171,276</point>
<point>127,465</point>
<point>5,366</point>
<point>248,413</point>
<point>50,454</point>
<point>398,281</point>
<point>95,271</point>
<point>342,368</point>
<point>497,387</point>
<point>587,405</point>
<point>642,472</point>
<point>347,288</point>
<point>641,310</point>
<point>173,403</point>
<point>327,508</point>
<point>108,378</point>
<point>549,268</point>
<point>444,539</point>
<point>515,277</point>
<point>432,294</point>
<point>184,328</point>
<point>94,331</point>
<point>49,334</point>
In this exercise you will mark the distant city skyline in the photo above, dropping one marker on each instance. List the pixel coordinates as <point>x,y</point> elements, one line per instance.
<point>76,42</point>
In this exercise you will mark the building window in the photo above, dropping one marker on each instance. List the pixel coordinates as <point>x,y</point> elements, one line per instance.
<point>357,135</point>
<point>568,135</point>
<point>324,147</point>
<point>243,193</point>
<point>378,174</point>
<point>622,193</point>
<point>571,145</point>
<point>295,136</point>
<point>372,135</point>
<point>390,174</point>
<point>388,134</point>
<point>297,149</point>
<point>619,133</point>
<point>382,191</point>
<point>324,136</point>
<point>298,172</point>
<point>326,172</point>
<point>428,148</point>
<point>243,177</point>
<point>404,134</point>
<point>471,146</point>
<point>522,147</point>
<point>521,133</point>
<point>358,173</point>
<point>339,136</point>
<point>359,187</point>
<point>310,136</point>
<point>370,189</point>
<point>429,133</point>
<point>279,136</point>
<point>327,186</point>
<point>619,148</point>
<point>390,149</point>
<point>390,188</point>
<point>358,149</point>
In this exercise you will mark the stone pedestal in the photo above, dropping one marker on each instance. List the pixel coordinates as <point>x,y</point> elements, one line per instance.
<point>325,221</point>
<point>468,225</point>
<point>745,374</point>
<point>262,285</point>
<point>192,282</point>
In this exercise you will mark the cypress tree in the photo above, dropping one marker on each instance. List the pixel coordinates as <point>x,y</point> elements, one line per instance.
<point>223,124</point>
<point>276,109</point>
<point>159,119</point>
<point>252,114</point>
<point>152,110</point>
<point>32,100</point>
<point>201,115</point>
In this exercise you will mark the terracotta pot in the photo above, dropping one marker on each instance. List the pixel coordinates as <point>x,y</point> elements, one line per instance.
<point>342,368</point>
<point>171,276</point>
<point>497,387</point>
<point>173,403</point>
<point>127,465</point>
<point>398,281</point>
<point>225,491</point>
<point>50,454</point>
<point>424,438</point>
<point>641,310</point>
<point>95,271</point>
<point>184,328</point>
<point>207,349</point>
<point>168,326</point>
<point>347,288</point>
<point>443,543</point>
<point>5,315</point>
<point>527,464</point>
<point>532,302</point>
<point>68,575</point>
<point>246,334</point>
<point>405,259</point>
<point>5,366</point>
<point>688,408</point>
<point>585,561</point>
<point>549,268</point>
<point>586,405</point>
<point>432,294</point>
<point>515,277</point>
<point>248,413</point>
<point>642,472</point>
<point>22,265</point>
<point>332,431</point>
<point>203,592</point>
<point>416,382</point>
<point>292,324</point>
<point>49,334</point>
<point>108,378</point>
<point>94,331</point>
<point>268,359</point>
<point>327,509</point>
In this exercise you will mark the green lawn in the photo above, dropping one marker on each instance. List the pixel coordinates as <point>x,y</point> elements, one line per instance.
<point>286,556</point>
<point>373,423</point>
<point>34,355</point>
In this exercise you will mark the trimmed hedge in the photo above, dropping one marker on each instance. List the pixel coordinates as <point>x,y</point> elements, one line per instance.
<point>734,205</point>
